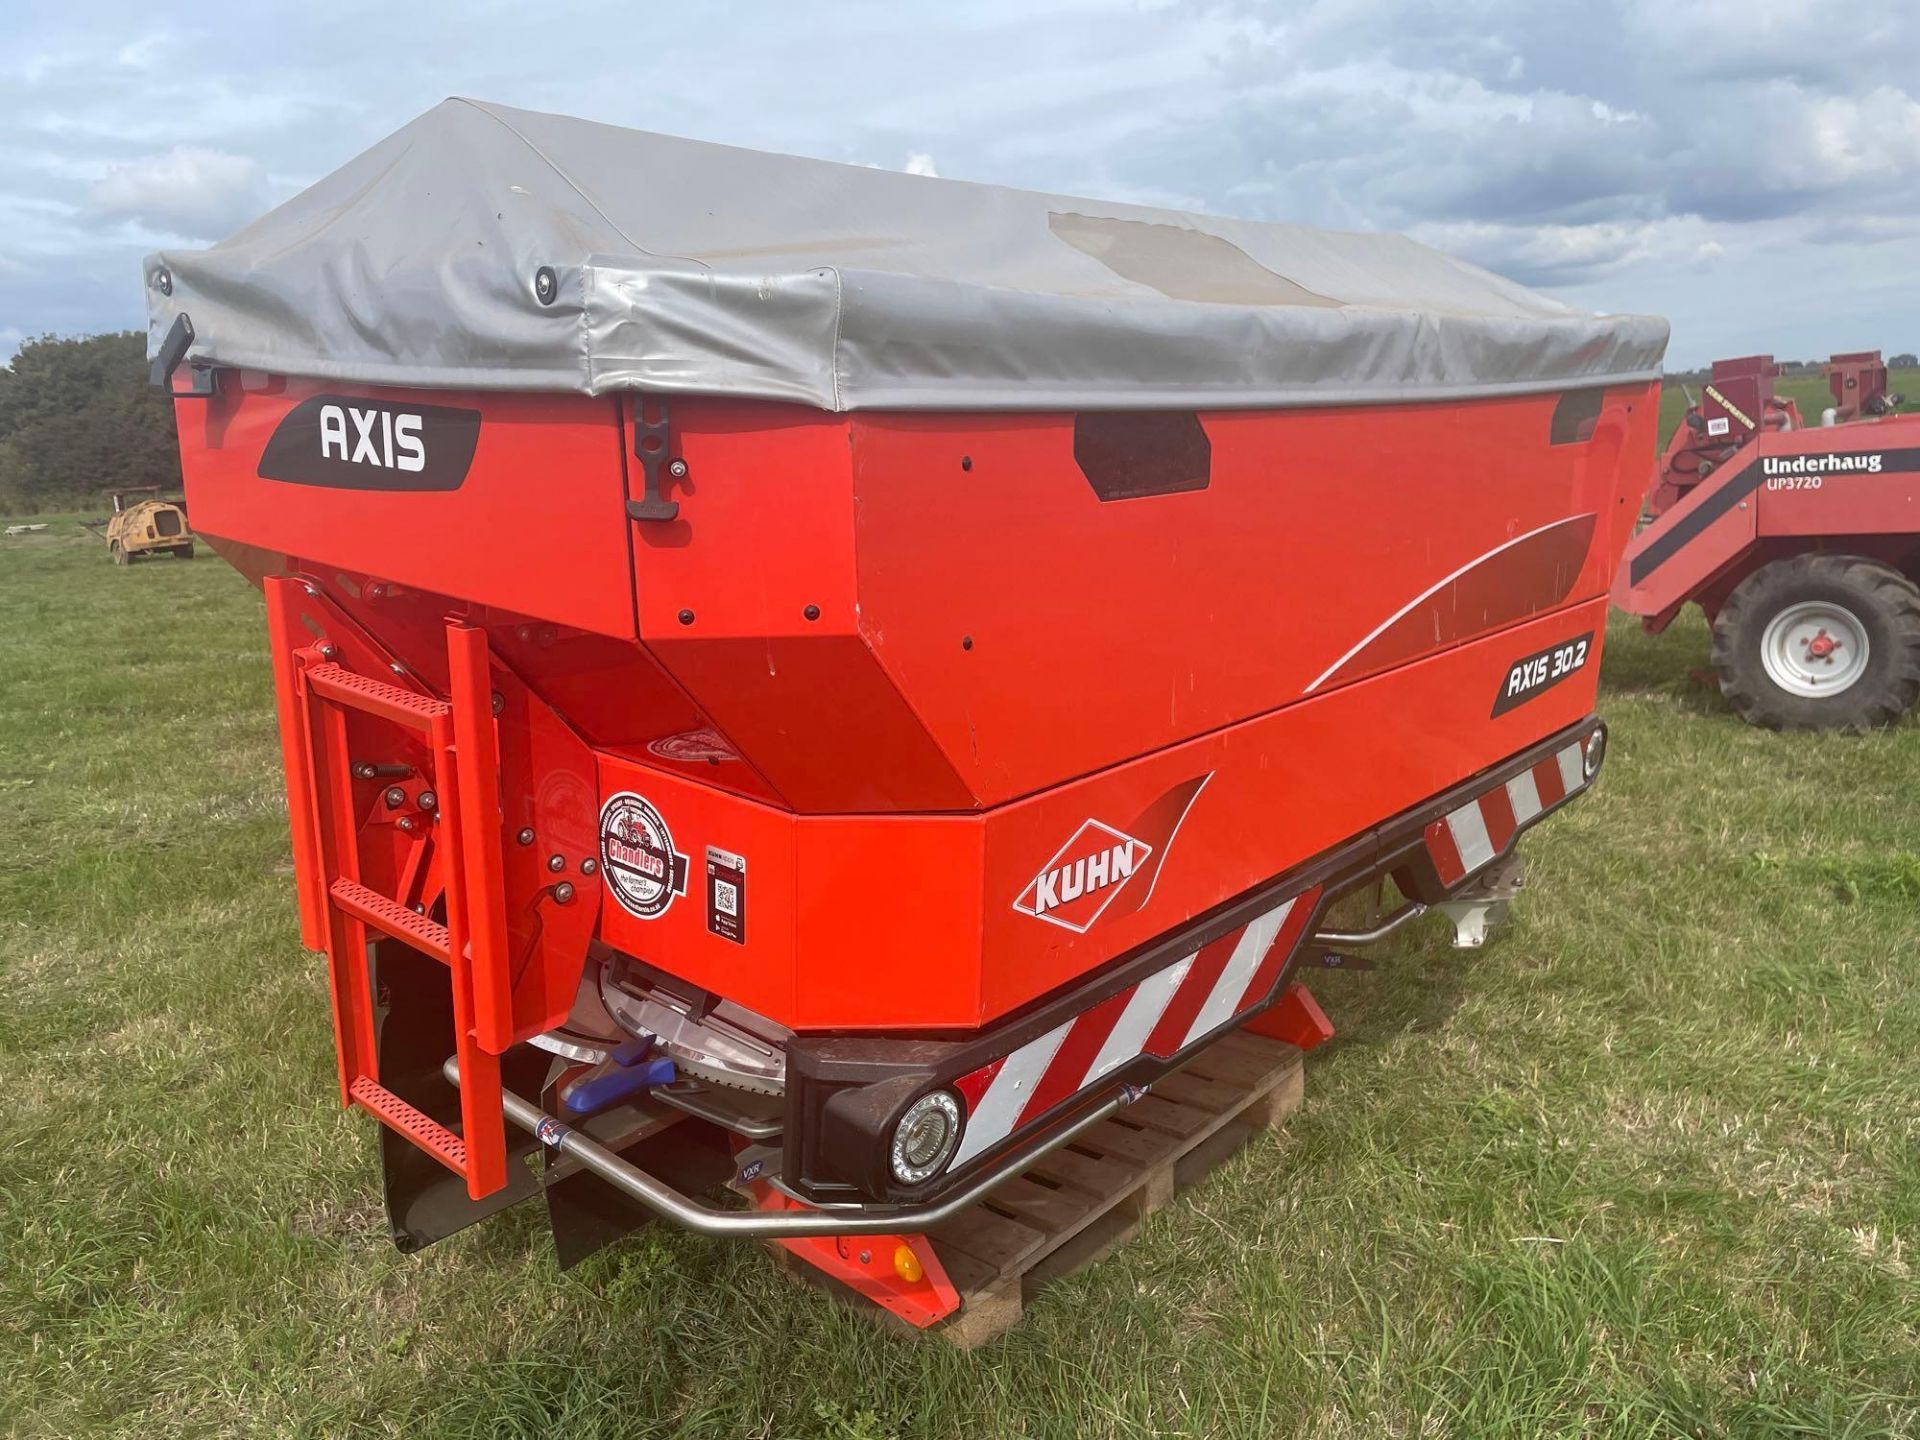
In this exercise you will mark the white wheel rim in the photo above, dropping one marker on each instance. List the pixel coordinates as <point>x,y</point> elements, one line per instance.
<point>1814,649</point>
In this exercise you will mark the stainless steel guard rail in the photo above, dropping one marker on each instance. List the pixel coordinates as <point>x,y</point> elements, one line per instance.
<point>1412,910</point>
<point>664,1200</point>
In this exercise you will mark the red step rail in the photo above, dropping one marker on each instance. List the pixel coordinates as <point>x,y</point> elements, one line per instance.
<point>338,911</point>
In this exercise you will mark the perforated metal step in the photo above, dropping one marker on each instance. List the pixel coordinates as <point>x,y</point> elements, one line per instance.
<point>390,917</point>
<point>396,1114</point>
<point>376,697</point>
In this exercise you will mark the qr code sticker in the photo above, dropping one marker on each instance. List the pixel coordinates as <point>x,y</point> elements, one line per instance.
<point>727,895</point>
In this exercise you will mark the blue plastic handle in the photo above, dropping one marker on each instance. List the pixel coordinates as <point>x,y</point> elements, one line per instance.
<point>597,1092</point>
<point>632,1052</point>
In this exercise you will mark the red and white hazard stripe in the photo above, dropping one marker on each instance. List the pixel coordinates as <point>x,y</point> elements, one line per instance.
<point>1467,839</point>
<point>1159,1016</point>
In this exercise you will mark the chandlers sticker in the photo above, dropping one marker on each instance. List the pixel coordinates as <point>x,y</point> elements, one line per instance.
<point>1535,674</point>
<point>637,857</point>
<point>1085,876</point>
<point>727,894</point>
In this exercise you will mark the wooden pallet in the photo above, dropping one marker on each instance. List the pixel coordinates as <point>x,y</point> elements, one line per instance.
<point>1083,1201</point>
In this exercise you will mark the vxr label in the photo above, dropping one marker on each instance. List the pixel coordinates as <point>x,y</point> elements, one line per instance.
<point>1535,674</point>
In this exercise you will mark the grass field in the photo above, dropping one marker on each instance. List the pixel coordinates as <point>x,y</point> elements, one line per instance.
<point>1649,1165</point>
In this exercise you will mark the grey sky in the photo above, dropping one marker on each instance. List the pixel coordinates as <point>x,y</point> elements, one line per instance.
<point>1749,168</point>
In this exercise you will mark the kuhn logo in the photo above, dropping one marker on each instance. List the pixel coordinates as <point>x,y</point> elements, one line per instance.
<point>355,444</point>
<point>1084,876</point>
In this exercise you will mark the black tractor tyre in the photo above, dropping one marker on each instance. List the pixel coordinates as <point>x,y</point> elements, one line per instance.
<point>119,553</point>
<point>183,552</point>
<point>1882,602</point>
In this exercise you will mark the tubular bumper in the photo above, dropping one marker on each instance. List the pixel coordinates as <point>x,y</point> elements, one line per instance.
<point>670,1204</point>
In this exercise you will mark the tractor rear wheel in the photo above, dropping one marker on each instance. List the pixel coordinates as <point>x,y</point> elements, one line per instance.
<point>119,553</point>
<point>1820,642</point>
<point>183,552</point>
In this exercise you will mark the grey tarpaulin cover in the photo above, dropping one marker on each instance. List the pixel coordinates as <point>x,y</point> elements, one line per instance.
<point>691,268</point>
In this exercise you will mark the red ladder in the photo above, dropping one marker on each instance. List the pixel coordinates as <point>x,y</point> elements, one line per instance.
<point>337,910</point>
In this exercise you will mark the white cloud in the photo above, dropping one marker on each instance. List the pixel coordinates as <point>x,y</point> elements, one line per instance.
<point>144,53</point>
<point>1876,136</point>
<point>188,191</point>
<point>1552,254</point>
<point>918,162</point>
<point>1626,154</point>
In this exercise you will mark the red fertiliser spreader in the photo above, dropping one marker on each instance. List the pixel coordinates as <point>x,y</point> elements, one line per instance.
<point>819,685</point>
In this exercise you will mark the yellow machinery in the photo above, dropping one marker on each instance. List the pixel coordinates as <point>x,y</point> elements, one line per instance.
<point>145,527</point>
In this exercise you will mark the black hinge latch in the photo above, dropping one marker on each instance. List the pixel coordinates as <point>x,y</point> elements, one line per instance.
<point>172,351</point>
<point>650,449</point>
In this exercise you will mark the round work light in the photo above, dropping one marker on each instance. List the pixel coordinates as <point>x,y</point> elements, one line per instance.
<point>925,1138</point>
<point>1595,752</point>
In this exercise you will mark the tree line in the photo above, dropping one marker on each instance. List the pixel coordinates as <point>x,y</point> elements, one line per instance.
<point>77,421</point>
